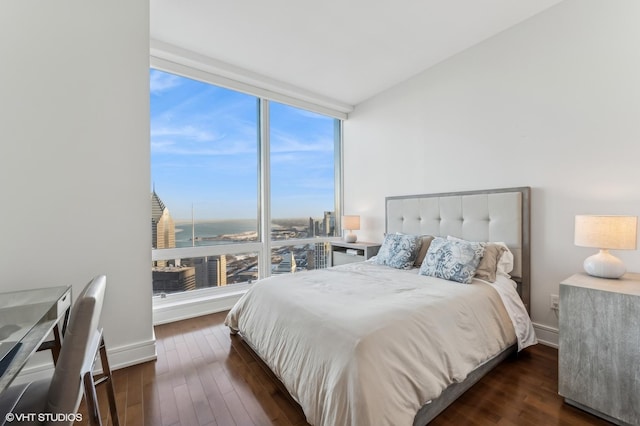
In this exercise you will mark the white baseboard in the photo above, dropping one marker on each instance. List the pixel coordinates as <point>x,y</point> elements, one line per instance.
<point>136,353</point>
<point>546,335</point>
<point>164,313</point>
<point>120,357</point>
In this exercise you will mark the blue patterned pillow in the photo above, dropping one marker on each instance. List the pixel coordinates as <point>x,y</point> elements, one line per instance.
<point>452,260</point>
<point>398,250</point>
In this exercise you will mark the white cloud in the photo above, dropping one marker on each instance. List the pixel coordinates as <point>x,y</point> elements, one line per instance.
<point>189,132</point>
<point>281,142</point>
<point>160,145</point>
<point>160,81</point>
<point>223,147</point>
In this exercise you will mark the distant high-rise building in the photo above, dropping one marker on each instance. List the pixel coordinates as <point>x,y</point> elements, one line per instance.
<point>162,225</point>
<point>200,267</point>
<point>321,255</point>
<point>329,223</point>
<point>210,271</point>
<point>217,270</point>
<point>312,228</point>
<point>163,229</point>
<point>288,264</point>
<point>171,279</point>
<point>311,259</point>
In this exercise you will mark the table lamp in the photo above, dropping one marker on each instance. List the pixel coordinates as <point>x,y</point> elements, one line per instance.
<point>605,233</point>
<point>351,223</point>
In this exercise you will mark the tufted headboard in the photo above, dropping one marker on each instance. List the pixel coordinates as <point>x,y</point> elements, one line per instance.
<point>487,215</point>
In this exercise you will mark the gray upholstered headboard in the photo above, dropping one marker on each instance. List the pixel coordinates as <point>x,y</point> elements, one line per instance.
<point>488,215</point>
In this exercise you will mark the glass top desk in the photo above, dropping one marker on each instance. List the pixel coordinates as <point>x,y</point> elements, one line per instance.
<point>26,319</point>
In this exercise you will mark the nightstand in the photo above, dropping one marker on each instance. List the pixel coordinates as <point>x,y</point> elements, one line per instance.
<point>343,252</point>
<point>598,353</point>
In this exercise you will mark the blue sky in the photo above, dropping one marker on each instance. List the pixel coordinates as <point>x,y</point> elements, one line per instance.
<point>204,151</point>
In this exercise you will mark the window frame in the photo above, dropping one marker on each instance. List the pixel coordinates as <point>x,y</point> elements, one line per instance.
<point>264,245</point>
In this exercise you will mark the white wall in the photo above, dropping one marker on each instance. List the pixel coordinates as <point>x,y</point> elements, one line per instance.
<point>74,165</point>
<point>553,103</point>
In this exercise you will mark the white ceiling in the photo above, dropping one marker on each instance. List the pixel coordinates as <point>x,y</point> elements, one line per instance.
<point>346,50</point>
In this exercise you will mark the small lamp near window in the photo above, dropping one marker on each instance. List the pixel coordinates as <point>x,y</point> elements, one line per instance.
<point>605,233</point>
<point>351,223</point>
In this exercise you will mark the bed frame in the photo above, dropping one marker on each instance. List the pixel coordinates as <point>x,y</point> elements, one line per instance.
<point>489,215</point>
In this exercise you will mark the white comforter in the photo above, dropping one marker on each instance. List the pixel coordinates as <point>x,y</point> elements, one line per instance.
<point>363,344</point>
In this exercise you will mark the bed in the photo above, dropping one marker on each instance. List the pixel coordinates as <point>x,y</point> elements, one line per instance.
<point>377,344</point>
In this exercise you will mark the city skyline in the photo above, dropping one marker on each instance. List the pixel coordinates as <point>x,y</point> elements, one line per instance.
<point>169,233</point>
<point>188,273</point>
<point>204,153</point>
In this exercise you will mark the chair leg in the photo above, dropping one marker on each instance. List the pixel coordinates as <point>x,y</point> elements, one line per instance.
<point>57,346</point>
<point>54,345</point>
<point>92,399</point>
<point>108,379</point>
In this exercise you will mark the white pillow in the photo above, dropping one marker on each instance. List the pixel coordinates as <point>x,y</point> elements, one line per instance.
<point>505,263</point>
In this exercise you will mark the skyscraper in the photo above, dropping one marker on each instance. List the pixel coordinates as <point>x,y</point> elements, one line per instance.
<point>162,226</point>
<point>163,229</point>
<point>171,279</point>
<point>312,228</point>
<point>322,252</point>
<point>329,223</point>
<point>217,270</point>
<point>210,271</point>
<point>287,265</point>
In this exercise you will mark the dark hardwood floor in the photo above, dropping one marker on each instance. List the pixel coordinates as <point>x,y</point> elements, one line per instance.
<point>205,377</point>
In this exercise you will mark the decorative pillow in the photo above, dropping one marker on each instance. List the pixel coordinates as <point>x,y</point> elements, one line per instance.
<point>497,258</point>
<point>426,242</point>
<point>452,260</point>
<point>398,250</point>
<point>489,262</point>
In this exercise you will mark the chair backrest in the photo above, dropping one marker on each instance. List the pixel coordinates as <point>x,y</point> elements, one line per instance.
<point>65,391</point>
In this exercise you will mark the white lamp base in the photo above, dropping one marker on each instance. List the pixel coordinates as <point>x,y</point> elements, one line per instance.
<point>350,237</point>
<point>604,265</point>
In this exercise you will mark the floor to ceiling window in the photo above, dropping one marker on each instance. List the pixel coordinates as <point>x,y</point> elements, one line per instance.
<point>241,187</point>
<point>302,186</point>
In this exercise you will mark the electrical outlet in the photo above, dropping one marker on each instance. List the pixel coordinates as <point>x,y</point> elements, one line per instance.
<point>554,302</point>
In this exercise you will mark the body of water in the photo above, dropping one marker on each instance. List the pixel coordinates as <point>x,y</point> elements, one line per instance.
<point>209,232</point>
<point>211,229</point>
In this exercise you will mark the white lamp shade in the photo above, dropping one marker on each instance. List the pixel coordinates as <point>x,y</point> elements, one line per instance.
<point>351,222</point>
<point>606,232</point>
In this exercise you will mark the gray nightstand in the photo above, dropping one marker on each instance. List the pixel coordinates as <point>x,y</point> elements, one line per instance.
<point>343,253</point>
<point>599,346</point>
